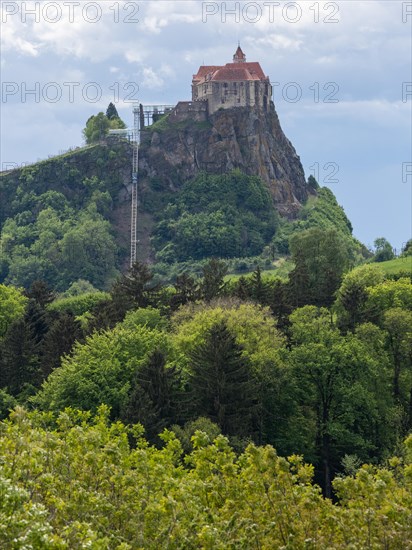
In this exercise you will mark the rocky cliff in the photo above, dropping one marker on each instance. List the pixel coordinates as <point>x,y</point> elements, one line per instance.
<point>247,138</point>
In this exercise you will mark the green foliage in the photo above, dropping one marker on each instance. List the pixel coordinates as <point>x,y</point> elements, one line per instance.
<point>144,317</point>
<point>24,523</point>
<point>72,481</point>
<point>312,182</point>
<point>323,212</point>
<point>253,326</point>
<point>12,306</point>
<point>213,282</point>
<point>383,250</point>
<point>98,126</point>
<point>390,294</point>
<point>7,403</point>
<point>336,377</point>
<point>407,249</point>
<point>223,216</point>
<point>19,360</point>
<point>321,258</point>
<point>221,381</point>
<point>79,304</point>
<point>100,370</point>
<point>55,221</point>
<point>352,297</point>
<point>79,287</point>
<point>111,111</point>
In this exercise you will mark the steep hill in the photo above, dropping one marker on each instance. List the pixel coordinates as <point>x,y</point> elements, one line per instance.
<point>178,147</point>
<point>66,218</point>
<point>229,184</point>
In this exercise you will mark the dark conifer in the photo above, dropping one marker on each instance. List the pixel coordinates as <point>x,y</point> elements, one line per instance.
<point>213,279</point>
<point>41,293</point>
<point>19,363</point>
<point>134,289</point>
<point>111,112</point>
<point>242,289</point>
<point>222,384</point>
<point>258,289</point>
<point>153,399</point>
<point>63,333</point>
<point>187,290</point>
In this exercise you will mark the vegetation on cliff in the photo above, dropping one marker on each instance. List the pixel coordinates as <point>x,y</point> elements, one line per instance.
<point>216,216</point>
<point>56,219</point>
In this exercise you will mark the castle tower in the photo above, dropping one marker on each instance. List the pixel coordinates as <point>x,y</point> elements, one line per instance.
<point>239,56</point>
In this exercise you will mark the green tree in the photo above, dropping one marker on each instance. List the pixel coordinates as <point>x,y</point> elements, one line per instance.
<point>72,480</point>
<point>313,183</point>
<point>187,290</point>
<point>152,400</point>
<point>41,293</point>
<point>213,283</point>
<point>111,111</point>
<point>221,381</point>
<point>407,249</point>
<point>19,361</point>
<point>383,250</point>
<point>64,331</point>
<point>336,378</point>
<point>258,288</point>
<point>134,289</point>
<point>100,370</point>
<point>398,324</point>
<point>12,306</point>
<point>352,304</point>
<point>321,258</point>
<point>97,127</point>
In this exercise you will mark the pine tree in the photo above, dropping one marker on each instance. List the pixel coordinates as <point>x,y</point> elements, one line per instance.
<point>37,317</point>
<point>63,333</point>
<point>279,303</point>
<point>134,289</point>
<point>18,358</point>
<point>258,289</point>
<point>41,293</point>
<point>187,290</point>
<point>111,112</point>
<point>242,289</point>
<point>221,381</point>
<point>213,279</point>
<point>153,399</point>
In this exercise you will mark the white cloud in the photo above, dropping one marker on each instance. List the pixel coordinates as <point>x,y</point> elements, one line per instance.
<point>367,53</point>
<point>151,80</point>
<point>278,41</point>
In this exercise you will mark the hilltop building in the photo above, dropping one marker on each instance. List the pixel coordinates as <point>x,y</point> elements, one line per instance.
<point>236,84</point>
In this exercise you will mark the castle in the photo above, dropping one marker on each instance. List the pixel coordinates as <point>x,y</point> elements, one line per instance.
<point>236,84</point>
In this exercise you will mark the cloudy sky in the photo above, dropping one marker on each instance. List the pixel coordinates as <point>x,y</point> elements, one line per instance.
<point>341,71</point>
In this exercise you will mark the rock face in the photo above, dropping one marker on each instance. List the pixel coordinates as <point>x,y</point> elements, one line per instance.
<point>246,138</point>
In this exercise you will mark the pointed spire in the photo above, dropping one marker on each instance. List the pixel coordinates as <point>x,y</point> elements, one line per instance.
<point>239,56</point>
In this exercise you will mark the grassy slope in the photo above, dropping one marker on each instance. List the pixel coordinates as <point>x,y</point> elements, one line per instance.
<point>282,268</point>
<point>395,266</point>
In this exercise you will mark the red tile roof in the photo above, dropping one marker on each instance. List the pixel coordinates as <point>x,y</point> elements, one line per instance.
<point>239,53</point>
<point>230,72</point>
<point>233,74</point>
<point>204,70</point>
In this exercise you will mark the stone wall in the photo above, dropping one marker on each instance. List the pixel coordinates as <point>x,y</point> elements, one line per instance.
<point>225,95</point>
<point>195,110</point>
